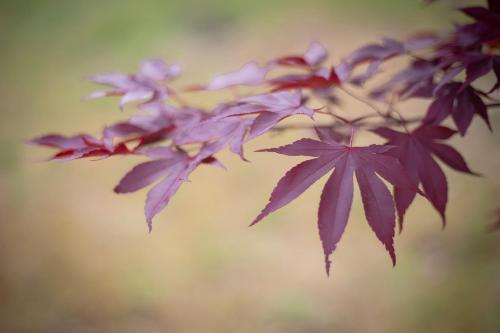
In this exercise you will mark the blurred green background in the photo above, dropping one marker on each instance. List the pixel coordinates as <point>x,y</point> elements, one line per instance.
<point>75,257</point>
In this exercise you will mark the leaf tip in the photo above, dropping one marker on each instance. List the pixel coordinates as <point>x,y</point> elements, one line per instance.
<point>443,221</point>
<point>328,264</point>
<point>257,219</point>
<point>400,225</point>
<point>392,253</point>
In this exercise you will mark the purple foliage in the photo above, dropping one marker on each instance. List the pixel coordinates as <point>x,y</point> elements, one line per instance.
<point>177,138</point>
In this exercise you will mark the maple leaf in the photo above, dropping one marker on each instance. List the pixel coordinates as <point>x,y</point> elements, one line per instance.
<point>132,134</point>
<point>374,55</point>
<point>485,28</point>
<point>317,80</point>
<point>414,81</point>
<point>415,151</point>
<point>79,146</point>
<point>270,109</point>
<point>314,56</point>
<point>496,70</point>
<point>194,136</point>
<point>368,163</point>
<point>147,173</point>
<point>250,74</point>
<point>230,131</point>
<point>174,167</point>
<point>175,172</point>
<point>141,86</point>
<point>462,103</point>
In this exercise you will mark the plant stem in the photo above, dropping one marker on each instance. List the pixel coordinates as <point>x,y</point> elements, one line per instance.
<point>364,101</point>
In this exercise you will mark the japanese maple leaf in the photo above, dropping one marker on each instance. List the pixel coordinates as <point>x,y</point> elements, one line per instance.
<point>175,170</point>
<point>120,138</point>
<point>496,70</point>
<point>459,102</point>
<point>374,55</point>
<point>317,80</point>
<point>250,74</point>
<point>79,146</point>
<point>486,27</point>
<point>415,151</point>
<point>476,65</point>
<point>144,129</point>
<point>140,86</point>
<point>314,56</point>
<point>270,109</point>
<point>172,167</point>
<point>368,163</point>
<point>414,81</point>
<point>230,131</point>
<point>175,166</point>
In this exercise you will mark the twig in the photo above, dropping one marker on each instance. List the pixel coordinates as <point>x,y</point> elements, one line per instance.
<point>364,101</point>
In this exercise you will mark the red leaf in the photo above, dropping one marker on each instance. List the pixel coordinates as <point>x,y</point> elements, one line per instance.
<point>309,81</point>
<point>250,74</point>
<point>314,56</point>
<point>414,151</point>
<point>334,207</point>
<point>270,109</point>
<point>461,102</point>
<point>367,162</point>
<point>144,174</point>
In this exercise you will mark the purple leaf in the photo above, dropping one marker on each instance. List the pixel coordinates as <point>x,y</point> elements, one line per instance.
<point>144,174</point>
<point>468,104</point>
<point>145,85</point>
<point>379,207</point>
<point>297,180</point>
<point>305,147</point>
<point>251,74</point>
<point>334,207</point>
<point>314,56</point>
<point>159,196</point>
<point>270,109</point>
<point>157,70</point>
<point>478,68</point>
<point>337,195</point>
<point>414,152</point>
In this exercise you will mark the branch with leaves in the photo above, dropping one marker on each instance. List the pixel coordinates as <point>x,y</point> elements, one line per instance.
<point>177,137</point>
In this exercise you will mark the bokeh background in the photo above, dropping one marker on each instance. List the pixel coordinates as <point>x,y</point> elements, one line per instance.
<point>75,257</point>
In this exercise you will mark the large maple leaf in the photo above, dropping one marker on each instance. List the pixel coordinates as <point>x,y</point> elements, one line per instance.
<point>415,150</point>
<point>368,163</point>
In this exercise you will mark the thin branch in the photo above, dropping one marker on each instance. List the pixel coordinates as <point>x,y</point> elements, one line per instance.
<point>299,127</point>
<point>364,101</point>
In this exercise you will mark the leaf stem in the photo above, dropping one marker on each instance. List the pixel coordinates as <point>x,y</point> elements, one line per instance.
<point>364,101</point>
